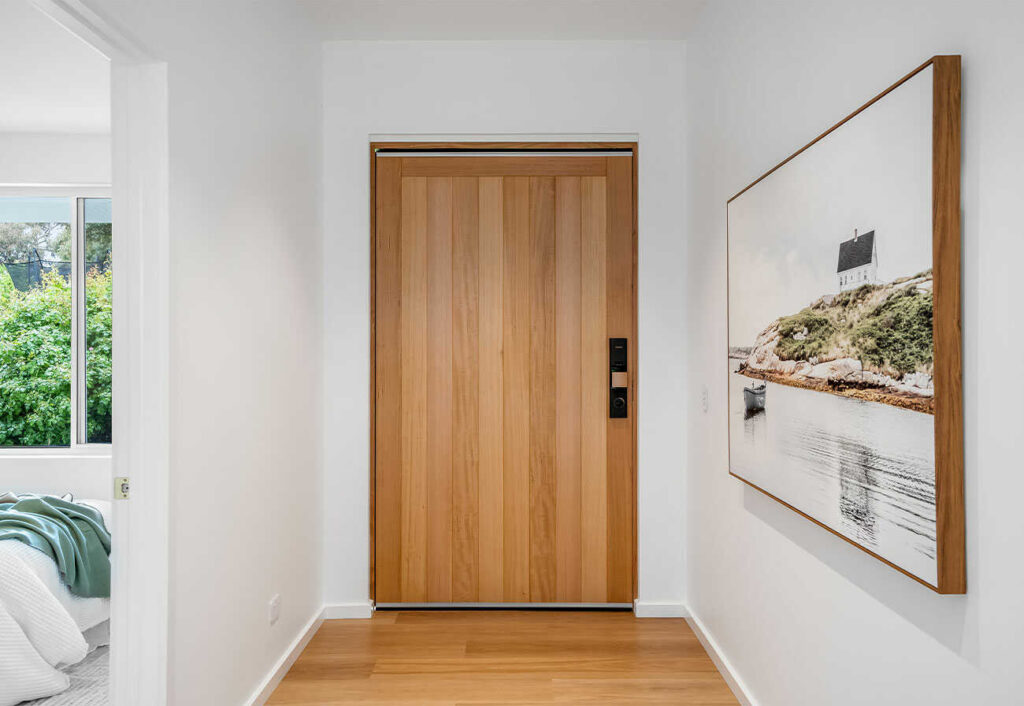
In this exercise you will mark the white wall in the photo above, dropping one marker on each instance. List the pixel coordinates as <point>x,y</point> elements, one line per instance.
<point>501,19</point>
<point>84,476</point>
<point>803,617</point>
<point>54,158</point>
<point>243,87</point>
<point>459,88</point>
<point>50,80</point>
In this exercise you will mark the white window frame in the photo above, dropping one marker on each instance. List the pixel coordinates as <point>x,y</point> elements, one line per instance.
<point>76,194</point>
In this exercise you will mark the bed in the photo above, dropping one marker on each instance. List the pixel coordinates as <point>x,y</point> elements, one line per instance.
<point>44,627</point>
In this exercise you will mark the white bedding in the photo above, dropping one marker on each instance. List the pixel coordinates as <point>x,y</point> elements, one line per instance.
<point>41,621</point>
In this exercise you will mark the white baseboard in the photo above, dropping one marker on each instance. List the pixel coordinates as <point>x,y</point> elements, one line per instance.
<point>433,605</point>
<point>650,609</point>
<point>270,682</point>
<point>347,611</point>
<point>739,689</point>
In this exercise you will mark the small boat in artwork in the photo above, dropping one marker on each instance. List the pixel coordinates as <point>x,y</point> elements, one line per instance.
<point>753,396</point>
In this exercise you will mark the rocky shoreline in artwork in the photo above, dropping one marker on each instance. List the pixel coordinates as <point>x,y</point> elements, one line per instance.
<point>844,377</point>
<point>845,345</point>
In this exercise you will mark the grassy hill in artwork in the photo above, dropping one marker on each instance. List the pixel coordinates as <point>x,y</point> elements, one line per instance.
<point>873,342</point>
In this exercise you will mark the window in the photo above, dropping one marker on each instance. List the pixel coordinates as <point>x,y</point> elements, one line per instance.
<point>98,288</point>
<point>55,321</point>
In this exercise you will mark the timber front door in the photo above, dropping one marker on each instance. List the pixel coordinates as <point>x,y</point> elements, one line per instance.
<point>503,443</point>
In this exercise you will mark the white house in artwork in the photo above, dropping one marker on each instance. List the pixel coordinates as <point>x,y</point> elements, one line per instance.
<point>858,261</point>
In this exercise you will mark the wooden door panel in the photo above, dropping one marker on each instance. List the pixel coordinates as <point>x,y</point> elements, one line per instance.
<point>439,388</point>
<point>388,380</point>
<point>542,389</point>
<point>594,381</point>
<point>498,475</point>
<point>516,388</point>
<point>619,196</point>
<point>465,389</point>
<point>568,396</point>
<point>491,391</point>
<point>413,439</point>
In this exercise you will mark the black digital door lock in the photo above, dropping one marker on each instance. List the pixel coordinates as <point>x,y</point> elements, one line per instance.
<point>618,395</point>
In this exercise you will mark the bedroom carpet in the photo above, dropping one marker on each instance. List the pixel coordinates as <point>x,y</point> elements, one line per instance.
<point>89,680</point>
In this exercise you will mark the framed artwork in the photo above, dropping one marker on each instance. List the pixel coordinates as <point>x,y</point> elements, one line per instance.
<point>844,329</point>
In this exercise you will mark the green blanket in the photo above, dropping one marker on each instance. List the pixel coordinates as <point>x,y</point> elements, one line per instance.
<point>73,535</point>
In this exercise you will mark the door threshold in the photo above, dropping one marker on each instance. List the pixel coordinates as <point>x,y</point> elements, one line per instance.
<point>505,606</point>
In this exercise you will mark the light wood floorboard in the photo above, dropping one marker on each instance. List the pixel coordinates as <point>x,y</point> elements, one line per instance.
<point>459,658</point>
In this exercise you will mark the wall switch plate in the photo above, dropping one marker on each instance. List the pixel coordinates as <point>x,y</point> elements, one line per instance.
<point>274,608</point>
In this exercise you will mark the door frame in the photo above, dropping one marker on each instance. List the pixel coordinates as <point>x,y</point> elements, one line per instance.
<point>140,562</point>
<point>477,146</point>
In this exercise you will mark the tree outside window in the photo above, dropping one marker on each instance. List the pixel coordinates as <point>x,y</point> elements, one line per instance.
<point>41,375</point>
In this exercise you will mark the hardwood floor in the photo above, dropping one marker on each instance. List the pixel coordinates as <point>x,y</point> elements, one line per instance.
<point>460,658</point>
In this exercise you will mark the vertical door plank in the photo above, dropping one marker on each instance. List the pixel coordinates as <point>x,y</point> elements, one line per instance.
<point>466,390</point>
<point>439,389</point>
<point>543,564</point>
<point>567,426</point>
<point>594,381</point>
<point>491,508</point>
<point>388,382</point>
<point>516,388</point>
<point>620,431</point>
<point>414,389</point>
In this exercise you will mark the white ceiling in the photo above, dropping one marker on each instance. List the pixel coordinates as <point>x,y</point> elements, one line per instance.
<point>50,81</point>
<point>503,19</point>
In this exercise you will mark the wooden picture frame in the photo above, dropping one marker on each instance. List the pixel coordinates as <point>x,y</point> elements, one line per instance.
<point>946,375</point>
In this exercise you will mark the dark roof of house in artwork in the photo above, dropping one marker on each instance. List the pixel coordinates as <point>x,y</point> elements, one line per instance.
<point>856,251</point>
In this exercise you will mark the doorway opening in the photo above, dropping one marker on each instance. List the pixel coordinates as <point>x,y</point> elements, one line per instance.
<point>56,347</point>
<point>504,341</point>
<point>84,176</point>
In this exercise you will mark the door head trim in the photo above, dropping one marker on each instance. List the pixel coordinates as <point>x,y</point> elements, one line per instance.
<point>505,153</point>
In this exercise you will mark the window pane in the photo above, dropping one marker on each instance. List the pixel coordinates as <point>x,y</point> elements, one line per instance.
<point>35,322</point>
<point>98,291</point>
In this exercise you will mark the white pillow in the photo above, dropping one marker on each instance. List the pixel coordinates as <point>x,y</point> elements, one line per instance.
<point>24,675</point>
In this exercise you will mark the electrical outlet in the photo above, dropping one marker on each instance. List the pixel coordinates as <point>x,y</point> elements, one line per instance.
<point>274,608</point>
<point>704,398</point>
